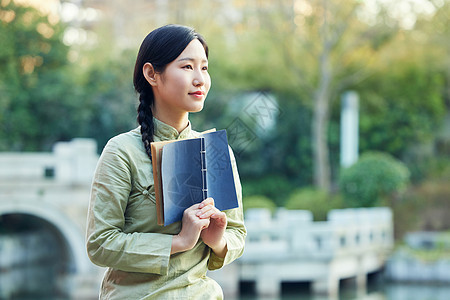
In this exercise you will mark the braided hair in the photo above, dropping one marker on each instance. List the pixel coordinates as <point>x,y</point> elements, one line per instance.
<point>160,47</point>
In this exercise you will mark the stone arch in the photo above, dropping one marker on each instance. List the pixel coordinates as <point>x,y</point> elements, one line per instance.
<point>71,234</point>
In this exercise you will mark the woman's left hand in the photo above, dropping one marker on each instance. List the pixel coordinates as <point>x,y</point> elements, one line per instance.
<point>213,235</point>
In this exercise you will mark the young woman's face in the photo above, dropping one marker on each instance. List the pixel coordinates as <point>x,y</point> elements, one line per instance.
<point>185,82</point>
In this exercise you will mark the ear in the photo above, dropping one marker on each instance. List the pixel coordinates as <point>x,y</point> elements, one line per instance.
<point>149,73</point>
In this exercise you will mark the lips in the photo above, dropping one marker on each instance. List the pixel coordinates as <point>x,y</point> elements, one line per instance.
<point>197,93</point>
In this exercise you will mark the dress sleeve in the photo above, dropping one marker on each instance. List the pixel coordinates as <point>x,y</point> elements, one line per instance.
<point>107,244</point>
<point>236,232</point>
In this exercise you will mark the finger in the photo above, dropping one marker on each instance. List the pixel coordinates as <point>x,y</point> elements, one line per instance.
<point>207,201</point>
<point>219,219</point>
<point>193,208</point>
<point>207,212</point>
<point>203,223</point>
<point>219,215</point>
<point>207,207</point>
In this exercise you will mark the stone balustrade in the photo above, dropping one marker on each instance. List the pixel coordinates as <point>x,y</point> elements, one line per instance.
<point>69,163</point>
<point>290,246</point>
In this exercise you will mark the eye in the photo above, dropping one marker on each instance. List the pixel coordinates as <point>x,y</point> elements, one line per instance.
<point>189,67</point>
<point>205,68</point>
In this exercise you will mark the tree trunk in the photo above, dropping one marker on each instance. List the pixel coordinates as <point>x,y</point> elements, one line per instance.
<point>322,173</point>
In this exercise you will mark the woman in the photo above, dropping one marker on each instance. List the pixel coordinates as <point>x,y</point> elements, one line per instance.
<point>145,260</point>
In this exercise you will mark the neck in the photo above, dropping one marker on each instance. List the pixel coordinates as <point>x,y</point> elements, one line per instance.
<point>179,121</point>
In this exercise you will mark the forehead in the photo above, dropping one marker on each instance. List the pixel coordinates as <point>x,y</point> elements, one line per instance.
<point>194,50</point>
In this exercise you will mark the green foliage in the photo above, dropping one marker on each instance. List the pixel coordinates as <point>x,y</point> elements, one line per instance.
<point>400,91</point>
<point>271,163</point>
<point>438,168</point>
<point>291,147</point>
<point>402,104</point>
<point>400,109</point>
<point>317,201</point>
<point>258,201</point>
<point>44,98</point>
<point>271,186</point>
<point>39,103</point>
<point>111,99</point>
<point>372,177</point>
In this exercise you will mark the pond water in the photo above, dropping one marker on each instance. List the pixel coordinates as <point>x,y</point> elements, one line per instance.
<point>383,291</point>
<point>375,291</point>
<point>51,286</point>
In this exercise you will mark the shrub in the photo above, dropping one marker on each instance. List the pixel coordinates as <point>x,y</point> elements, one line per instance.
<point>271,186</point>
<point>374,176</point>
<point>316,201</point>
<point>258,201</point>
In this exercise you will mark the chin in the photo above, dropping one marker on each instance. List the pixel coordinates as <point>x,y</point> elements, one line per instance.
<point>197,108</point>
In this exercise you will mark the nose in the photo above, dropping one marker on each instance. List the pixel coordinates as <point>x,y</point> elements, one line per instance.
<point>199,79</point>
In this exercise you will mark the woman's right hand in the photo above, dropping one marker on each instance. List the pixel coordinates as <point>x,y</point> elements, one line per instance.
<point>191,227</point>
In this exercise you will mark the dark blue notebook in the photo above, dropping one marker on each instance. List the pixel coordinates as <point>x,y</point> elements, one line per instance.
<point>195,169</point>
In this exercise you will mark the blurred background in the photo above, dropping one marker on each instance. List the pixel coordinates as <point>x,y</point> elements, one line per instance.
<point>338,113</point>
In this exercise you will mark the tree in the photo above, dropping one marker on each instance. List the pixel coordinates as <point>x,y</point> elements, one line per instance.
<point>437,31</point>
<point>329,46</point>
<point>111,101</point>
<point>325,49</point>
<point>404,98</point>
<point>38,103</point>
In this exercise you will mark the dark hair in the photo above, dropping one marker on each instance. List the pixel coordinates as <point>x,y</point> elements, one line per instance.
<point>160,47</point>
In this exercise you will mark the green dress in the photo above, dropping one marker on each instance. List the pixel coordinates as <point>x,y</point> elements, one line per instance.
<point>122,233</point>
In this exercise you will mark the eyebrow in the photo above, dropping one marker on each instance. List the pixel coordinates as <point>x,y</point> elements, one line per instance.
<point>192,59</point>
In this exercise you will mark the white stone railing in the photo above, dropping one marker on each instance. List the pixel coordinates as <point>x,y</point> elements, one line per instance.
<point>293,234</point>
<point>290,246</point>
<point>69,163</point>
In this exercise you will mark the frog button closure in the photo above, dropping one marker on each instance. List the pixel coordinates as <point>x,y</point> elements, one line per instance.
<point>148,193</point>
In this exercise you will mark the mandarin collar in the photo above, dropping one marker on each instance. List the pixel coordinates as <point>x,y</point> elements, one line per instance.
<point>166,132</point>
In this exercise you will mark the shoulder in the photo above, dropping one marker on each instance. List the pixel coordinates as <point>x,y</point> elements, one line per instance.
<point>125,143</point>
<point>127,137</point>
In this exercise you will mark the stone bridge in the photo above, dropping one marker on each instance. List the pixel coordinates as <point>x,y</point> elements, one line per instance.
<point>43,205</point>
<point>290,247</point>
